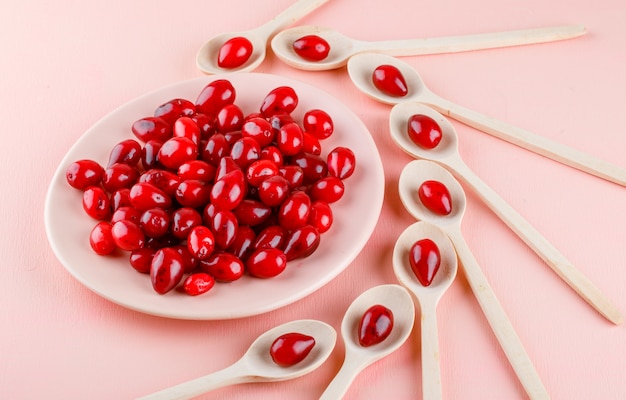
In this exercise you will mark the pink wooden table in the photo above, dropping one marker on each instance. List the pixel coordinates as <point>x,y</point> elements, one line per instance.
<point>64,65</point>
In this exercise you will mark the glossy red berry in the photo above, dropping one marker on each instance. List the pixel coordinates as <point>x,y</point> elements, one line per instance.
<point>215,148</point>
<point>259,171</point>
<point>293,174</point>
<point>252,212</point>
<point>375,325</point>
<point>144,196</point>
<point>193,193</point>
<point>228,191</point>
<point>311,144</point>
<point>229,119</point>
<point>152,128</point>
<point>259,129</point>
<point>119,176</point>
<point>435,196</point>
<point>329,189</point>
<point>424,131</point>
<point>311,47</point>
<point>84,173</point>
<point>174,109</point>
<point>290,139</point>
<point>190,262</point>
<point>389,80</point>
<point>155,222</point>
<point>196,170</point>
<point>187,127</point>
<point>313,167</point>
<point>234,52</point>
<point>424,258</point>
<point>266,263</point>
<point>101,239</point>
<point>125,152</point>
<point>141,259</point>
<point>177,151</point>
<point>200,242</point>
<point>223,266</point>
<point>224,225</point>
<point>291,348</point>
<point>128,213</point>
<point>294,212</point>
<point>198,283</point>
<point>150,154</point>
<point>242,246</point>
<point>318,123</point>
<point>120,198</point>
<point>166,270</point>
<point>274,190</point>
<point>128,235</point>
<point>341,162</point>
<point>206,124</point>
<point>183,220</point>
<point>165,180</point>
<point>301,242</point>
<point>214,96</point>
<point>274,236</point>
<point>96,203</point>
<point>321,216</point>
<point>281,99</point>
<point>245,151</point>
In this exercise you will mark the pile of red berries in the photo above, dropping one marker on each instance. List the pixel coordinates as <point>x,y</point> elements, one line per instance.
<point>206,193</point>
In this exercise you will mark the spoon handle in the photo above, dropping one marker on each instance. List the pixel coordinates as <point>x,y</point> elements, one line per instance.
<point>455,44</point>
<point>342,381</point>
<point>431,369</point>
<point>497,318</point>
<point>289,15</point>
<point>530,141</point>
<point>538,243</point>
<point>187,390</point>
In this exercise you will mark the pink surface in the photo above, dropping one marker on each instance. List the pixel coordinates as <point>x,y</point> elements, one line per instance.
<point>64,65</point>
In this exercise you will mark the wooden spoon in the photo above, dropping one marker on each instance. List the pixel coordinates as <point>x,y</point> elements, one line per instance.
<point>343,47</point>
<point>427,296</point>
<point>256,365</point>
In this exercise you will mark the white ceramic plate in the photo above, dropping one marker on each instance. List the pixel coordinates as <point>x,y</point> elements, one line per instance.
<point>356,214</point>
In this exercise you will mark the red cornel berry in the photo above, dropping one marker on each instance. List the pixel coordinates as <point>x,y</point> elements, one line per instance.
<point>389,80</point>
<point>291,348</point>
<point>424,258</point>
<point>234,52</point>
<point>435,196</point>
<point>375,325</point>
<point>424,131</point>
<point>311,47</point>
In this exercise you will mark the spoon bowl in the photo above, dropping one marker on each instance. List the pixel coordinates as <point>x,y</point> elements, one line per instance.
<point>446,149</point>
<point>343,47</point>
<point>206,59</point>
<point>397,299</point>
<point>446,153</point>
<point>402,267</point>
<point>427,296</point>
<point>256,365</point>
<point>413,176</point>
